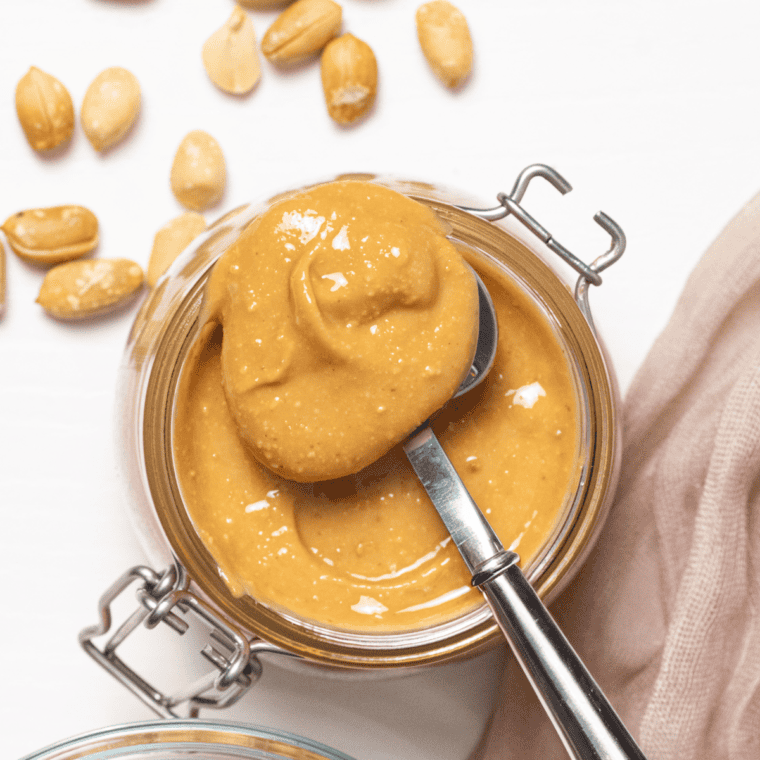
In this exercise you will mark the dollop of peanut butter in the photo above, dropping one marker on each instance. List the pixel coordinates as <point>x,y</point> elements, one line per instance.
<point>348,319</point>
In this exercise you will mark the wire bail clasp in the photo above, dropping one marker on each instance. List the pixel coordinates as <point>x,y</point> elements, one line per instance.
<point>161,598</point>
<point>511,204</point>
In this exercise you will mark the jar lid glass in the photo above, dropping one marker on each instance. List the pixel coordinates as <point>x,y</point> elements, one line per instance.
<point>180,739</point>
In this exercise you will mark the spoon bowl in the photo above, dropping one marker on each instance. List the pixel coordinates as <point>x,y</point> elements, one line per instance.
<point>488,338</point>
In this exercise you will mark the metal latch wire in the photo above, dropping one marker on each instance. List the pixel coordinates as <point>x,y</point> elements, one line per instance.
<point>511,204</point>
<point>161,598</point>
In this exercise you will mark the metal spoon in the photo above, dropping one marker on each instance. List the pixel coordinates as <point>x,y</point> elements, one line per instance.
<point>581,714</point>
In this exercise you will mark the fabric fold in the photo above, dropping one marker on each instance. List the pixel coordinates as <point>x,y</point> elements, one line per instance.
<point>665,610</point>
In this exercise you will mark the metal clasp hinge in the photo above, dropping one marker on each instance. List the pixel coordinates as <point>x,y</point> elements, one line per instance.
<point>161,598</point>
<point>511,204</point>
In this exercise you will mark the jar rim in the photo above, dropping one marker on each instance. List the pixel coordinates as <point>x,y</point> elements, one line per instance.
<point>473,630</point>
<point>180,738</point>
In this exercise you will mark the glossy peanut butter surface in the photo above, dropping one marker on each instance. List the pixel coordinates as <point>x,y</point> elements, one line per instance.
<point>367,550</point>
<point>348,319</point>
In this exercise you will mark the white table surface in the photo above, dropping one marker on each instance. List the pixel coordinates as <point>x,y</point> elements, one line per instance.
<point>649,108</point>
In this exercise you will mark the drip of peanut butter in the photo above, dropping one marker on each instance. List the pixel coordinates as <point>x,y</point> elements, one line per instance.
<point>348,319</point>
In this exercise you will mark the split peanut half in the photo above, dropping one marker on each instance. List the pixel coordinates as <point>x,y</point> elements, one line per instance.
<point>81,289</point>
<point>301,30</point>
<point>110,107</point>
<point>45,110</point>
<point>349,78</point>
<point>445,41</point>
<point>52,235</point>
<point>198,174</point>
<point>230,55</point>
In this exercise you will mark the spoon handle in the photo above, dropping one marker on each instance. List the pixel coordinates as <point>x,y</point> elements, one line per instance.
<point>583,717</point>
<point>585,721</point>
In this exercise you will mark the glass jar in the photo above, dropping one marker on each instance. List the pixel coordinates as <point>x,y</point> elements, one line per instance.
<point>158,344</point>
<point>180,739</point>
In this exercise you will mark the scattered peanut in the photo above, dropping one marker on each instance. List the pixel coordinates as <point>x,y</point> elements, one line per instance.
<point>2,279</point>
<point>44,109</point>
<point>170,241</point>
<point>198,173</point>
<point>349,78</point>
<point>301,30</point>
<point>110,107</point>
<point>52,235</point>
<point>81,289</point>
<point>445,40</point>
<point>230,55</point>
<point>262,5</point>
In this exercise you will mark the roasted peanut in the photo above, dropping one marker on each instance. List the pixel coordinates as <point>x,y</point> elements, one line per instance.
<point>44,109</point>
<point>170,241</point>
<point>301,30</point>
<point>80,289</point>
<point>198,174</point>
<point>349,78</point>
<point>110,107</point>
<point>262,5</point>
<point>230,55</point>
<point>52,235</point>
<point>2,279</point>
<point>445,41</point>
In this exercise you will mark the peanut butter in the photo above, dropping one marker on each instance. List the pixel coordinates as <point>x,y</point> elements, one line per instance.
<point>366,550</point>
<point>349,318</point>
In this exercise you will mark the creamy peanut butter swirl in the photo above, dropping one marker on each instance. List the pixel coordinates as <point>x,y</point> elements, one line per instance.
<point>348,319</point>
<point>307,321</point>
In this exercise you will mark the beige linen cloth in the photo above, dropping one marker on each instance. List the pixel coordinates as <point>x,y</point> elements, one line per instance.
<point>666,612</point>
